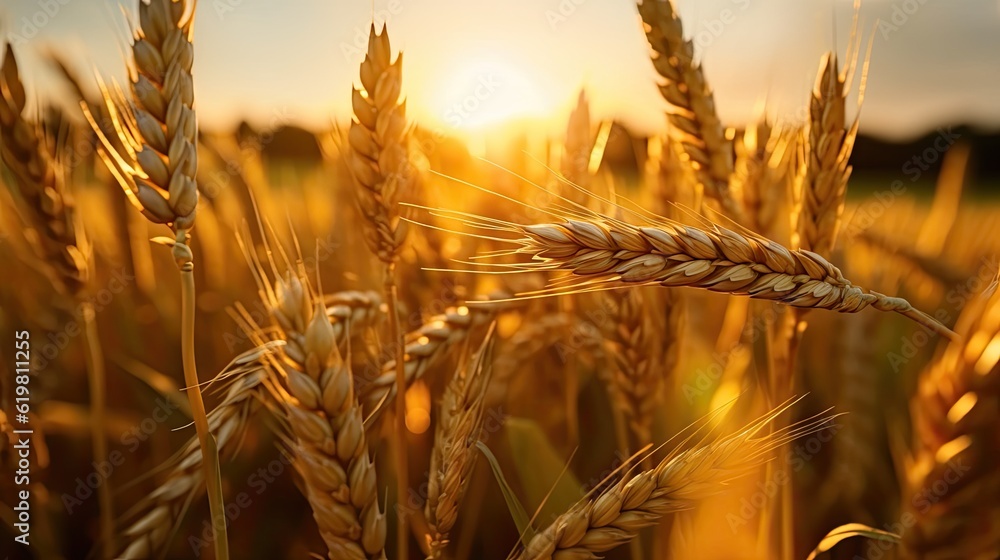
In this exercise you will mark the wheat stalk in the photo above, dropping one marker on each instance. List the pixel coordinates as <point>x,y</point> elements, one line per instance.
<point>614,515</point>
<point>156,163</point>
<point>951,488</point>
<point>425,348</point>
<point>453,457</point>
<point>160,513</point>
<point>62,245</point>
<point>598,250</point>
<point>378,161</point>
<point>692,117</point>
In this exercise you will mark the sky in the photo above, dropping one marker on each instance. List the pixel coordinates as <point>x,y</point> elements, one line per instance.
<point>470,65</point>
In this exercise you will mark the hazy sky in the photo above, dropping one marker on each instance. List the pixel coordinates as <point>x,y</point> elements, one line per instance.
<point>934,61</point>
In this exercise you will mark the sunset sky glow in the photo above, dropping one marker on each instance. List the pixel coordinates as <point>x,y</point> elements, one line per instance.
<point>470,66</point>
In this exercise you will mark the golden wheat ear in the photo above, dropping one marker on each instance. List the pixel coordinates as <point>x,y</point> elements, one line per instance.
<point>39,181</point>
<point>453,457</point>
<point>155,156</point>
<point>692,115</point>
<point>951,486</point>
<point>313,388</point>
<point>613,516</point>
<point>598,252</point>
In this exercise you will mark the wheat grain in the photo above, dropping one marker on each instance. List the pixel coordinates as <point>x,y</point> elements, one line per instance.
<point>425,348</point>
<point>60,240</point>
<point>377,138</point>
<point>616,514</point>
<point>693,118</point>
<point>453,457</point>
<point>825,170</point>
<point>600,250</point>
<point>951,489</point>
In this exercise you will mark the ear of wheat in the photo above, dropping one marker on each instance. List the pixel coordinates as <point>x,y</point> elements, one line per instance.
<point>155,160</point>
<point>693,119</point>
<point>158,516</point>
<point>315,390</point>
<point>751,160</point>
<point>453,457</point>
<point>62,244</point>
<point>614,515</point>
<point>638,345</point>
<point>579,143</point>
<point>158,128</point>
<point>598,250</point>
<point>951,494</point>
<point>377,139</point>
<point>60,239</point>
<point>825,169</point>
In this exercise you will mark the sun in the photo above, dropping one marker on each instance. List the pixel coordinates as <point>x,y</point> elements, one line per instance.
<point>486,89</point>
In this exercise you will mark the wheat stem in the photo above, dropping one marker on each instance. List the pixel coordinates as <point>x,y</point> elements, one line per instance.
<point>210,452</point>
<point>402,463</point>
<point>95,377</point>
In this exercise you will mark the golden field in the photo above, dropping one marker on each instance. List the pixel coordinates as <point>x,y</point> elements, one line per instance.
<point>716,342</point>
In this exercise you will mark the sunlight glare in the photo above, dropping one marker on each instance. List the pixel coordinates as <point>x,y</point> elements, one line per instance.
<point>483,90</point>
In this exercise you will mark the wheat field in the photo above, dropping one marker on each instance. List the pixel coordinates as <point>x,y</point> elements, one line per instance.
<point>718,342</point>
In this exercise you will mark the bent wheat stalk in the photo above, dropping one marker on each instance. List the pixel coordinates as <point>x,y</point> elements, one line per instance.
<point>600,252</point>
<point>614,515</point>
<point>161,512</point>
<point>425,348</point>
